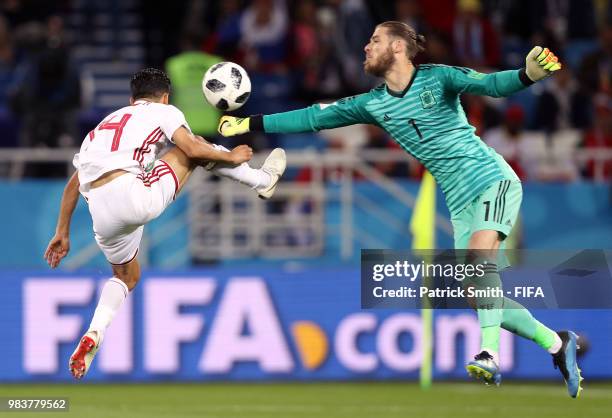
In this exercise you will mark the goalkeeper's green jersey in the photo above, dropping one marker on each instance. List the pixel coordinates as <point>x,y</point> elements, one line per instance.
<point>427,120</point>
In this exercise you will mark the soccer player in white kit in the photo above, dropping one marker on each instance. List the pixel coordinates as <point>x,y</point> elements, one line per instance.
<point>126,184</point>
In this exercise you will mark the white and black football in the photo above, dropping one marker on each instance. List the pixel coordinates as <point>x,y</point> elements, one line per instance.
<point>226,86</point>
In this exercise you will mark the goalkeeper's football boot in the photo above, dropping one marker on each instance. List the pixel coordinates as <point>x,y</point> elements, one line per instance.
<point>274,165</point>
<point>84,354</point>
<point>565,361</point>
<point>484,367</point>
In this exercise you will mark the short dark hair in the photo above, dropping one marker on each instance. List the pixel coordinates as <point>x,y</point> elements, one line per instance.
<point>149,82</point>
<point>415,43</point>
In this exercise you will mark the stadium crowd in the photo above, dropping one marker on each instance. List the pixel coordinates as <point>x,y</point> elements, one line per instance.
<point>302,51</point>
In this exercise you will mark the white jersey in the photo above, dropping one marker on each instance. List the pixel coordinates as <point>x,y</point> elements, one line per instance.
<point>130,139</point>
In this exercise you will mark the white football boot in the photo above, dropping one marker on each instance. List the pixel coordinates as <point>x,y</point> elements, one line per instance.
<point>274,165</point>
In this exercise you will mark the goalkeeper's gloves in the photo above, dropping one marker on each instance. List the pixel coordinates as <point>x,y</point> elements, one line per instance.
<point>231,126</point>
<point>541,63</point>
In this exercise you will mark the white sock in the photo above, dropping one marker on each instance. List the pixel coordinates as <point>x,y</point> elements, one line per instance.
<point>243,173</point>
<point>111,299</point>
<point>493,353</point>
<point>554,349</point>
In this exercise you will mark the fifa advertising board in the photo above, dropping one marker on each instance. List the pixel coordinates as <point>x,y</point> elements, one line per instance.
<point>238,324</point>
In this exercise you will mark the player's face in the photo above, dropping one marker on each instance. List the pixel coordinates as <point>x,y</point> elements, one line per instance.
<point>379,54</point>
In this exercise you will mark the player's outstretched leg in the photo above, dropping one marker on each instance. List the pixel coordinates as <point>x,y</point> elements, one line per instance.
<point>264,180</point>
<point>114,293</point>
<point>565,361</point>
<point>484,367</point>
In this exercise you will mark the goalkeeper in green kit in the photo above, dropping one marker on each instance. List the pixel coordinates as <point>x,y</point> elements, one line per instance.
<point>419,107</point>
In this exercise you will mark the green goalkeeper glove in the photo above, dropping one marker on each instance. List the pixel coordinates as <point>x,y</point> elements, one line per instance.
<point>541,63</point>
<point>231,126</point>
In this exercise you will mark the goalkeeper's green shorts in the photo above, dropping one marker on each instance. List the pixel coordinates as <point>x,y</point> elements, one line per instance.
<point>495,209</point>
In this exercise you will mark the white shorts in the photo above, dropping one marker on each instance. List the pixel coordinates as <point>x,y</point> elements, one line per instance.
<point>120,208</point>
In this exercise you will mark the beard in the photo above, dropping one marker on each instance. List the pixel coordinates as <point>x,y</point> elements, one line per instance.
<point>382,64</point>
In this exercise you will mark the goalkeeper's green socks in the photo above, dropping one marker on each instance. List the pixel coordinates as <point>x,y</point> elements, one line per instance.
<point>489,309</point>
<point>518,320</point>
<point>490,341</point>
<point>494,312</point>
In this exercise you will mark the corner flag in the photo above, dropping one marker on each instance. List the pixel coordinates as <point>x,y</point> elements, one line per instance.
<point>423,229</point>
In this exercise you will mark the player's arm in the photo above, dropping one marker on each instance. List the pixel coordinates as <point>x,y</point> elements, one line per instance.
<point>540,63</point>
<point>347,111</point>
<point>197,149</point>
<point>60,243</point>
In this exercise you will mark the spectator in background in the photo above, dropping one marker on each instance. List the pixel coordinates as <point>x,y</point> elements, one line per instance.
<point>226,38</point>
<point>510,141</point>
<point>160,21</point>
<point>263,33</point>
<point>353,28</point>
<point>583,24</point>
<point>479,111</point>
<point>527,152</point>
<point>46,96</point>
<point>306,50</point>
<point>474,40</point>
<point>7,67</point>
<point>511,18</point>
<point>330,82</point>
<point>600,138</point>
<point>595,73</point>
<point>439,14</point>
<point>264,46</point>
<point>7,62</point>
<point>56,35</point>
<point>186,71</point>
<point>561,105</point>
<point>438,50</point>
<point>409,12</point>
<point>19,12</point>
<point>550,18</point>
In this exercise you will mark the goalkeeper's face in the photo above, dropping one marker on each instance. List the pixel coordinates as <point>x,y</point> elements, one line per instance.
<point>379,54</point>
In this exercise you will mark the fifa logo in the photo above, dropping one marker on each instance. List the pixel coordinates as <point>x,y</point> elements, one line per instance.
<point>427,99</point>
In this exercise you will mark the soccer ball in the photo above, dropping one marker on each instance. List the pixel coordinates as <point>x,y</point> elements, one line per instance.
<point>226,86</point>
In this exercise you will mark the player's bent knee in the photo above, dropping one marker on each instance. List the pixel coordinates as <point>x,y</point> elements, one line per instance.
<point>129,281</point>
<point>128,273</point>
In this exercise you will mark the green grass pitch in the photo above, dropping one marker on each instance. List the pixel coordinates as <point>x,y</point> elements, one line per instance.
<point>326,400</point>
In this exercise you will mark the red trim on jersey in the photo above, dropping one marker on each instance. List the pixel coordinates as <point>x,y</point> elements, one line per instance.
<point>176,182</point>
<point>156,170</point>
<point>152,138</point>
<point>91,135</point>
<point>147,149</point>
<point>157,173</point>
<point>149,178</point>
<point>148,181</point>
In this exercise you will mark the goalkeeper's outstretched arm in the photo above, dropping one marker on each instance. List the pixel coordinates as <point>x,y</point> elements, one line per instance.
<point>539,63</point>
<point>347,111</point>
